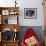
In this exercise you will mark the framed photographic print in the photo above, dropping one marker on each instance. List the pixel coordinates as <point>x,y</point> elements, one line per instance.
<point>5,12</point>
<point>30,13</point>
<point>12,20</point>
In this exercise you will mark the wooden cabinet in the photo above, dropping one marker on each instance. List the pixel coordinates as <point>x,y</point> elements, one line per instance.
<point>45,36</point>
<point>9,23</point>
<point>10,43</point>
<point>44,7</point>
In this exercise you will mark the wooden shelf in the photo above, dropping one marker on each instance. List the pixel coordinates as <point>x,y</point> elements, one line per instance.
<point>9,8</point>
<point>4,13</point>
<point>11,26</point>
<point>9,43</point>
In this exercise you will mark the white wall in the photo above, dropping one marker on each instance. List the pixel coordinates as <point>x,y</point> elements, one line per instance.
<point>31,4</point>
<point>27,4</point>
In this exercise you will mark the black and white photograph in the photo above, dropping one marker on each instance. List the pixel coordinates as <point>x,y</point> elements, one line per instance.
<point>30,13</point>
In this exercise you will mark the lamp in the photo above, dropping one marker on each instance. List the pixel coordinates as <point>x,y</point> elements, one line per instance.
<point>15,30</point>
<point>15,3</point>
<point>15,35</point>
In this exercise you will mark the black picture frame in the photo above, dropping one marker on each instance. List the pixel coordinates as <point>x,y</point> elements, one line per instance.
<point>30,13</point>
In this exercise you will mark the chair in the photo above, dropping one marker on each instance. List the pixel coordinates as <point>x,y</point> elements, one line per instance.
<point>29,33</point>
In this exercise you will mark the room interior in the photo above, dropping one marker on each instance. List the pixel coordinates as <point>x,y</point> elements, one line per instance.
<point>17,16</point>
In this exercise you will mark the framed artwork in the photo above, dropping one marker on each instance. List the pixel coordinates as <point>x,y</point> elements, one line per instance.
<point>5,12</point>
<point>30,13</point>
<point>13,20</point>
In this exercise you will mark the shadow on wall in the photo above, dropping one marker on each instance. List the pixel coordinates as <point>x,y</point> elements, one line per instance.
<point>37,29</point>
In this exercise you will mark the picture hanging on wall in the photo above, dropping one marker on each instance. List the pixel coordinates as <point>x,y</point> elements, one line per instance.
<point>30,13</point>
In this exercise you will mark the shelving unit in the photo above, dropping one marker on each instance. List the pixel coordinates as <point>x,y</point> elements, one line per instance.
<point>5,23</point>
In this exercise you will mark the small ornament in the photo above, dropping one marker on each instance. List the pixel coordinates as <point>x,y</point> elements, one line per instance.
<point>6,21</point>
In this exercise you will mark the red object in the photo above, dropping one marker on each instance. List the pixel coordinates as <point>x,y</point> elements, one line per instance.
<point>29,33</point>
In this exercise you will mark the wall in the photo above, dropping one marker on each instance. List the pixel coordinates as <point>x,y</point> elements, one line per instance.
<point>27,4</point>
<point>31,4</point>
